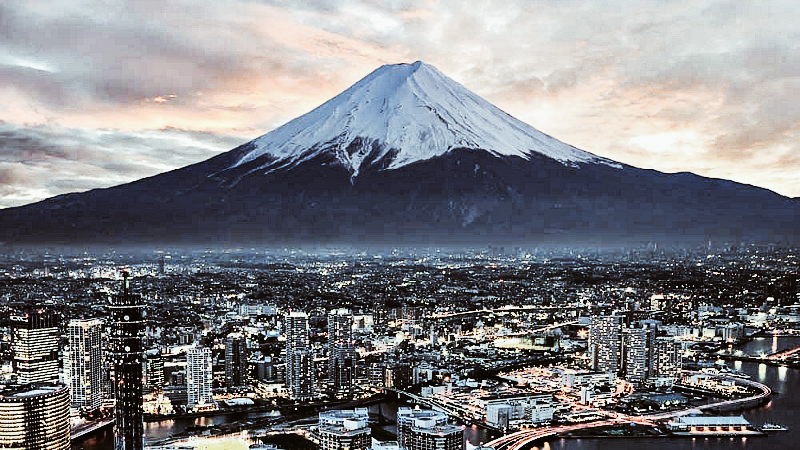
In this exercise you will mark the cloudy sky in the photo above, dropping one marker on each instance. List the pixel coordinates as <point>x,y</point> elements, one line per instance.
<point>96,93</point>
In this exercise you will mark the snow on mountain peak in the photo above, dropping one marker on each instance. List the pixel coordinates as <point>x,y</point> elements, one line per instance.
<point>400,114</point>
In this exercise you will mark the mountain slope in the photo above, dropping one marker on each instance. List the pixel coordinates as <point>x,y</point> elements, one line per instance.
<point>407,156</point>
<point>398,115</point>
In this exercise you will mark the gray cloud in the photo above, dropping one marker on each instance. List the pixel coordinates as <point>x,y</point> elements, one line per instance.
<point>42,161</point>
<point>722,75</point>
<point>116,53</point>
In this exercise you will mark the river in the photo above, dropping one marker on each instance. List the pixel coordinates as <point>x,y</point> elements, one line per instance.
<point>104,439</point>
<point>784,408</point>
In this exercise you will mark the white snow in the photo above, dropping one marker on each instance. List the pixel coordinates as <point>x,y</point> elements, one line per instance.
<point>414,110</point>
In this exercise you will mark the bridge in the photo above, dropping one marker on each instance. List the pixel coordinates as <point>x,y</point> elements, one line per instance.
<point>503,309</point>
<point>457,413</point>
<point>537,330</point>
<point>781,358</point>
<point>783,354</point>
<point>88,427</point>
<point>520,439</point>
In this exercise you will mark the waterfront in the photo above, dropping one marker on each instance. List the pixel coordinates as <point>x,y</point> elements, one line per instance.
<point>104,439</point>
<point>784,408</point>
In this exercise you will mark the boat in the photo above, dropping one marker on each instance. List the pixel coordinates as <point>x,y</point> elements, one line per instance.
<point>773,427</point>
<point>734,373</point>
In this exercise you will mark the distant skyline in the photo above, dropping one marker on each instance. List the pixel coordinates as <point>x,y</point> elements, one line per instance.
<point>98,93</point>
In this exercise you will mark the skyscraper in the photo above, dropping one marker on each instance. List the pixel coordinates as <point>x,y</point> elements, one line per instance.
<point>127,335</point>
<point>604,343</point>
<point>35,340</point>
<point>235,360</point>
<point>299,359</point>
<point>34,417</point>
<point>342,353</point>
<point>198,378</point>
<point>85,363</point>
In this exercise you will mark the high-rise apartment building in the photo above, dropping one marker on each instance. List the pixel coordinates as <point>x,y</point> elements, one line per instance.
<point>344,430</point>
<point>235,360</point>
<point>199,378</point>
<point>342,353</point>
<point>34,417</point>
<point>35,341</point>
<point>604,343</point>
<point>665,363</point>
<point>300,374</point>
<point>127,358</point>
<point>85,363</point>
<point>636,352</point>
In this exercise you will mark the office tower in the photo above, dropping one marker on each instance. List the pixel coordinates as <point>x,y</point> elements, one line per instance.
<point>198,378</point>
<point>35,340</point>
<point>377,374</point>
<point>299,359</point>
<point>235,360</point>
<point>34,417</point>
<point>665,363</point>
<point>85,363</point>
<point>126,341</point>
<point>344,430</point>
<point>408,418</point>
<point>154,370</point>
<point>425,436</point>
<point>342,353</point>
<point>636,353</point>
<point>604,343</point>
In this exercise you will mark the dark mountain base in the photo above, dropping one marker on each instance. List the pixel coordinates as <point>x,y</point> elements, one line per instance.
<point>463,198</point>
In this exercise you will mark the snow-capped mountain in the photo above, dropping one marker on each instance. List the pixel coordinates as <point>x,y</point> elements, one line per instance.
<point>407,156</point>
<point>401,114</point>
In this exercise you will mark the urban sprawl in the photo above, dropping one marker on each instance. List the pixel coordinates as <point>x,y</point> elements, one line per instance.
<point>331,346</point>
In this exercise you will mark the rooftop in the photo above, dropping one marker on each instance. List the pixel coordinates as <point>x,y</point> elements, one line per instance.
<point>28,390</point>
<point>703,421</point>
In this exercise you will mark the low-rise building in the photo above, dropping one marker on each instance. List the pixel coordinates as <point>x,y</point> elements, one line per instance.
<point>344,430</point>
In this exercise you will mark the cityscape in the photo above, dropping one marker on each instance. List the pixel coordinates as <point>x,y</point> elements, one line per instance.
<point>399,225</point>
<point>412,349</point>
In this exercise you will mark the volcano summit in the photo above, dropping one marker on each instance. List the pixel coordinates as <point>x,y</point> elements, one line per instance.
<point>407,156</point>
<point>399,115</point>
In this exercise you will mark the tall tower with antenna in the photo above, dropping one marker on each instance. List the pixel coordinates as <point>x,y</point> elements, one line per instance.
<point>126,341</point>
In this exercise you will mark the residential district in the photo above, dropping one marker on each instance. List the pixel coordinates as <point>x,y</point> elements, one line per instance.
<point>390,349</point>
